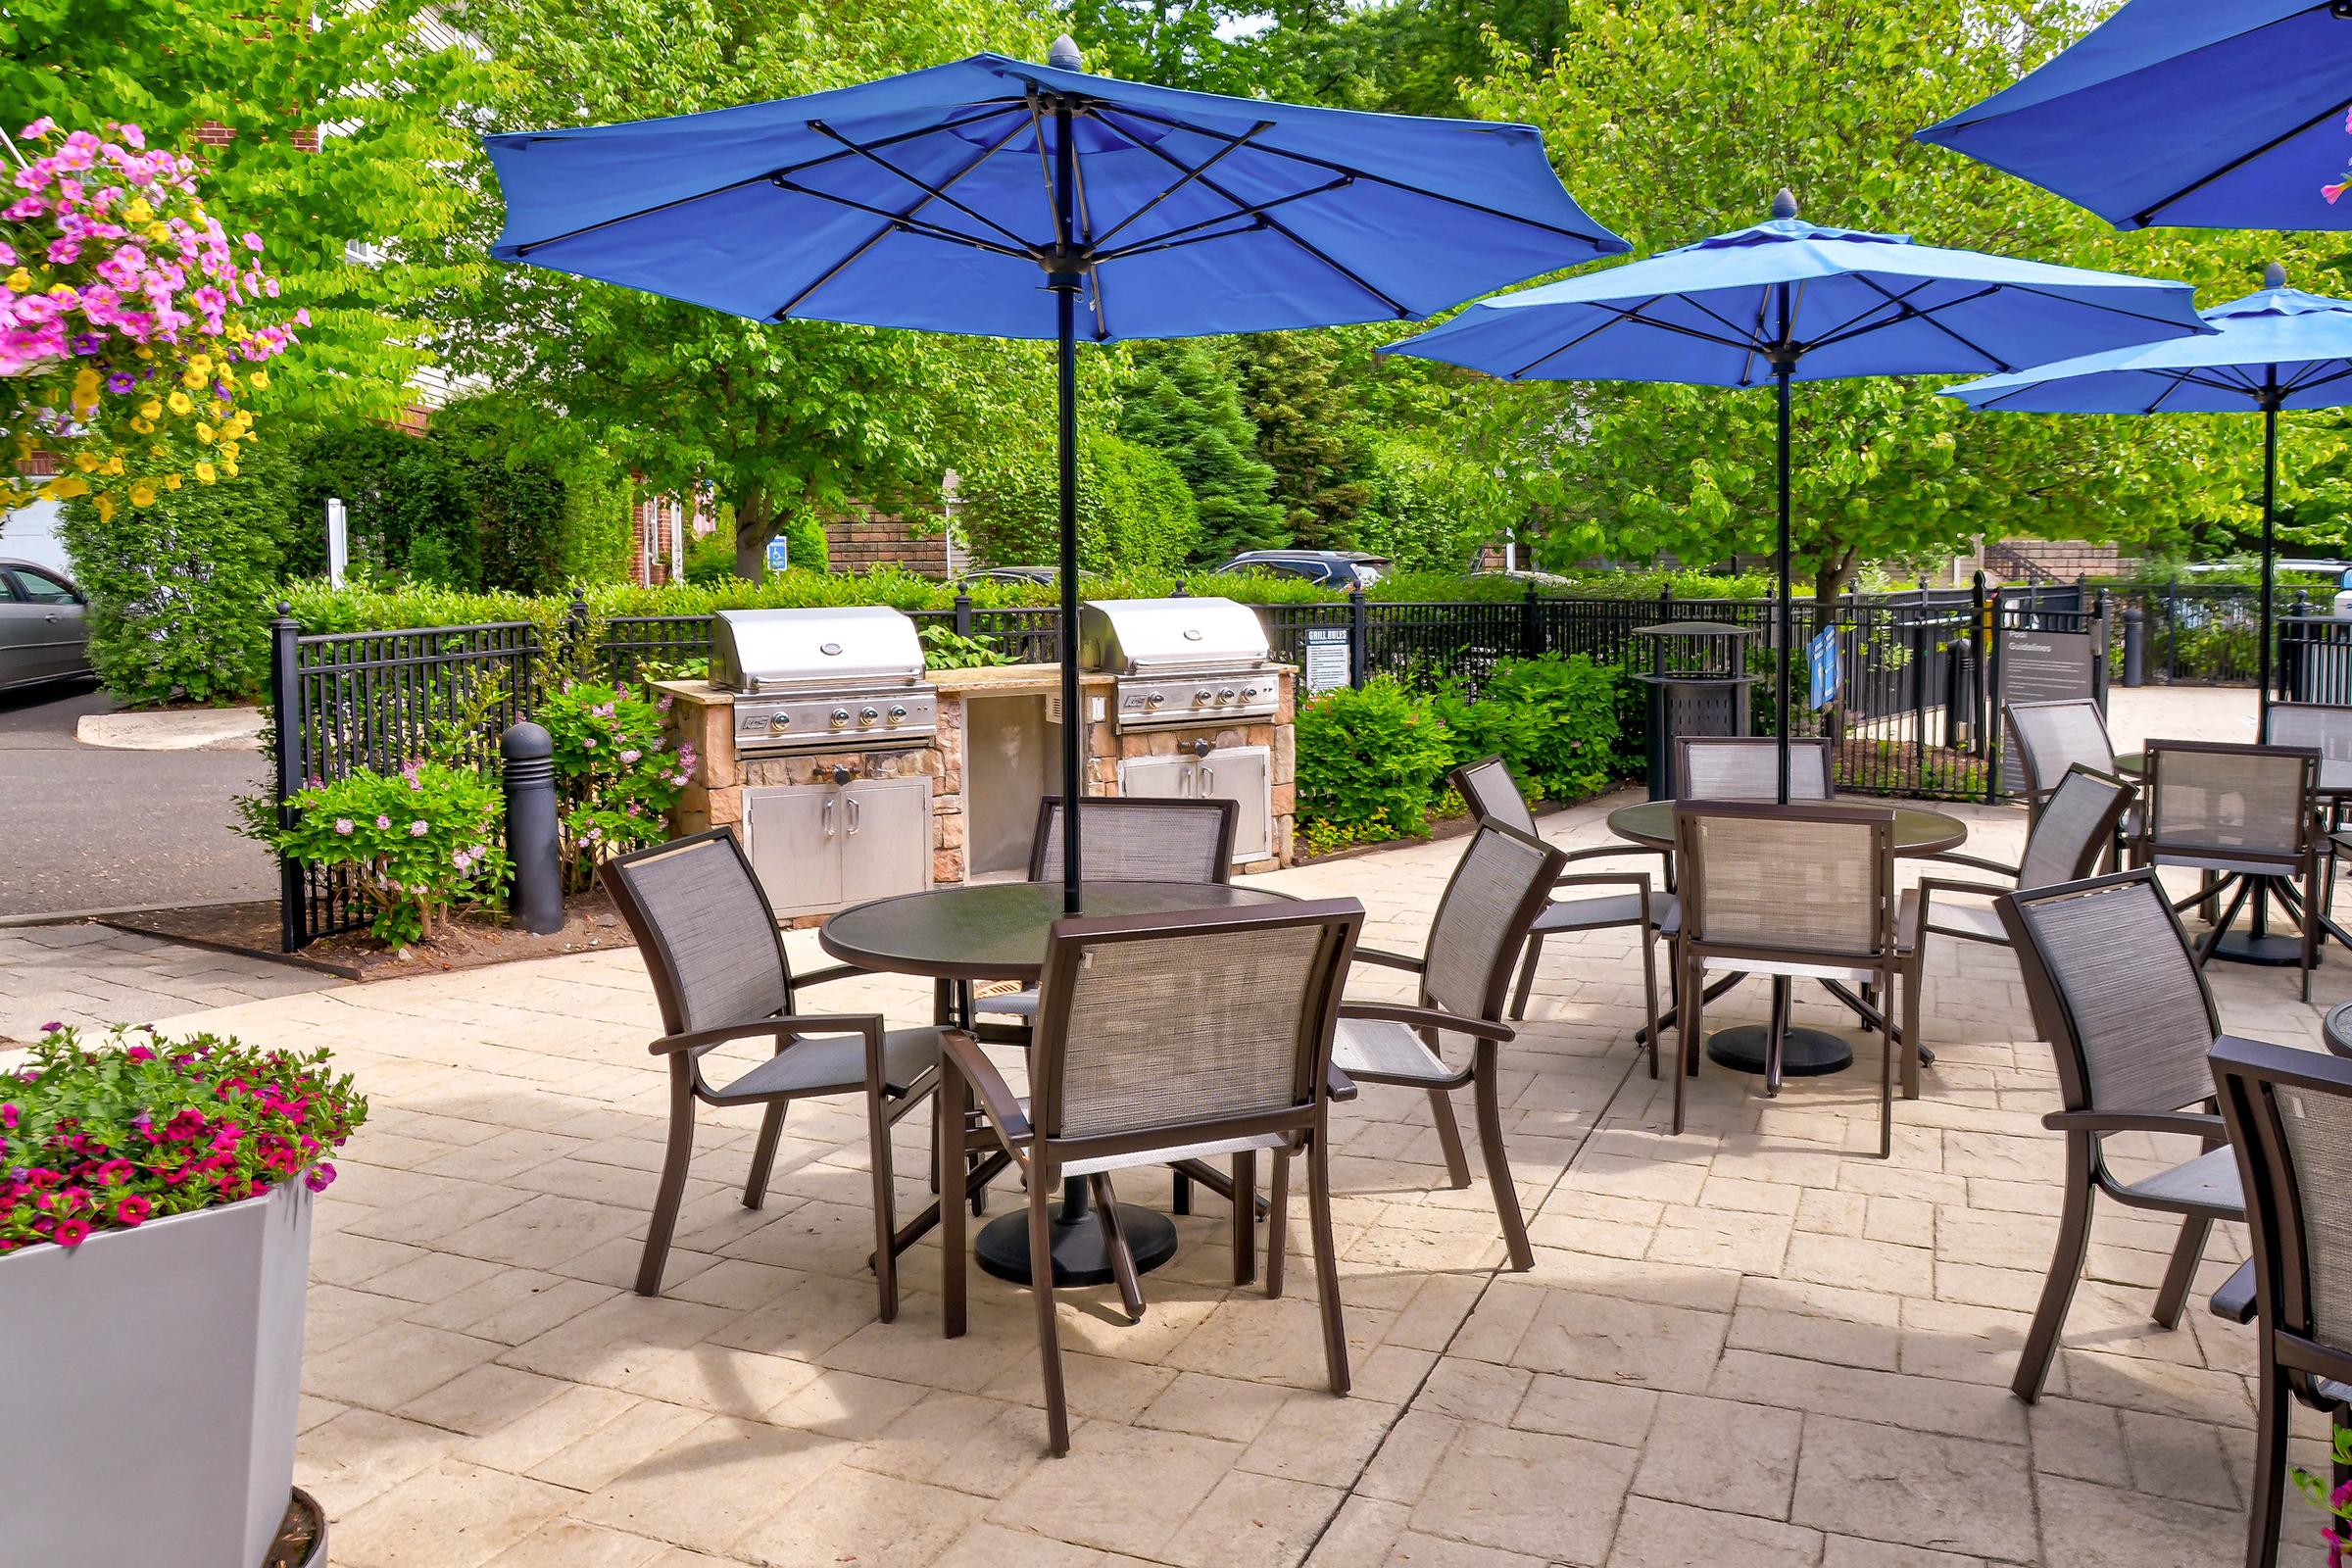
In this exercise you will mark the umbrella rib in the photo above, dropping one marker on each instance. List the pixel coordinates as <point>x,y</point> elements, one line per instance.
<point>994,107</point>
<point>1160,241</point>
<point>1338,167</point>
<point>889,229</point>
<point>1086,235</point>
<point>931,193</point>
<point>1929,315</point>
<point>1854,326</point>
<point>2142,216</point>
<point>1619,316</point>
<point>910,226</point>
<point>1190,175</point>
<point>2295,384</point>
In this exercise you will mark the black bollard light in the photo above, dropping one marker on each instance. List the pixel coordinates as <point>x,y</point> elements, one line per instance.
<point>537,900</point>
<point>2135,646</point>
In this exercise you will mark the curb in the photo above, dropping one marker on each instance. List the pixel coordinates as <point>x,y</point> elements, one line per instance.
<point>175,729</point>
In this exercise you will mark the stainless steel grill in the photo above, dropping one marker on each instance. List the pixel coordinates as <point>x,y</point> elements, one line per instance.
<point>815,680</point>
<point>1180,660</point>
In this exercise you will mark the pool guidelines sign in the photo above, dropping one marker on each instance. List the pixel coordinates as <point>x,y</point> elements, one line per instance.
<point>2040,666</point>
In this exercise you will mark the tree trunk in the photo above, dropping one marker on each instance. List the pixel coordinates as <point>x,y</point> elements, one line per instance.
<point>756,523</point>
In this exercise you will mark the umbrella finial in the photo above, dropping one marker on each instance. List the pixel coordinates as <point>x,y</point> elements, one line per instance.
<point>1064,54</point>
<point>2274,276</point>
<point>1784,203</point>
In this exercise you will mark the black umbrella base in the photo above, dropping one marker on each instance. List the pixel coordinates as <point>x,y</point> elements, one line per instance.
<point>1804,1054</point>
<point>1081,1253</point>
<point>2273,950</point>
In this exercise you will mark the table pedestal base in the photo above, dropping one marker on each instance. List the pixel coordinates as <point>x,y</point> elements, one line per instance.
<point>2271,950</point>
<point>1804,1054</point>
<point>1081,1253</point>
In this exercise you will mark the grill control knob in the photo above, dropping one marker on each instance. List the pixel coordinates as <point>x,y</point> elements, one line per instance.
<point>1248,693</point>
<point>1225,696</point>
<point>868,716</point>
<point>1154,699</point>
<point>1200,698</point>
<point>780,721</point>
<point>839,718</point>
<point>897,713</point>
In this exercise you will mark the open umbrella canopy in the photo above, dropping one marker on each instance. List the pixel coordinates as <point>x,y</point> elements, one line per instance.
<point>1830,302</point>
<point>926,200</point>
<point>2198,114</point>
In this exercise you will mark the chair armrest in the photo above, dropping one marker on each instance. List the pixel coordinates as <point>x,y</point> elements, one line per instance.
<point>1974,861</point>
<point>1593,879</point>
<point>2234,1301</point>
<point>866,1024</point>
<point>1387,959</point>
<point>1604,851</point>
<point>1337,1085</point>
<point>1427,1019</point>
<point>830,972</point>
<point>2194,1123</point>
<point>1946,885</point>
<point>997,1098</point>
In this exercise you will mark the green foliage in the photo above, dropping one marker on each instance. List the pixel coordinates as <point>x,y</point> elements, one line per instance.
<point>711,560</point>
<point>1292,391</point>
<point>1369,761</point>
<point>1426,508</point>
<point>615,777</point>
<point>98,1138</point>
<point>1135,513</point>
<point>1553,720</point>
<point>944,650</point>
<point>419,842</point>
<point>1181,401</point>
<point>180,591</point>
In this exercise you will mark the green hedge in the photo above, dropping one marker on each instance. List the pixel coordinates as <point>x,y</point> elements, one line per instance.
<point>1135,512</point>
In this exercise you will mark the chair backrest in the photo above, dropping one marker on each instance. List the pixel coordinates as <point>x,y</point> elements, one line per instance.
<point>2209,797</point>
<point>2076,824</point>
<point>2324,727</point>
<point>1123,840</point>
<point>1808,881</point>
<point>1493,795</point>
<point>1194,1022</point>
<point>1501,883</point>
<point>2290,1117</point>
<point>1747,767</point>
<point>2054,736</point>
<point>706,928</point>
<point>2115,990</point>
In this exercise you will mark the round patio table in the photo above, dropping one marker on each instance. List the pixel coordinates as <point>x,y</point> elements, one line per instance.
<point>1804,1052</point>
<point>2260,945</point>
<point>997,931</point>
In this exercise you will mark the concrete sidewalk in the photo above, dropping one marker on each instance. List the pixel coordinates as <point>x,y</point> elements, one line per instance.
<point>91,976</point>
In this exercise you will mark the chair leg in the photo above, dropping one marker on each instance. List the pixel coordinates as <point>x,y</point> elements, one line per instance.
<point>949,1105</point>
<point>1686,1051</point>
<point>2181,1272</point>
<point>886,1225</point>
<point>1649,994</point>
<point>672,1191</point>
<point>1182,1202</point>
<point>1915,981</point>
<point>1276,1220</point>
<point>1041,1288</point>
<point>1327,1260</point>
<point>1245,1216</point>
<point>1488,1098</point>
<point>2268,1499</point>
<point>1886,1068</point>
<point>764,1156</point>
<point>1527,976</point>
<point>2311,931</point>
<point>2066,1267</point>
<point>1776,1033</point>
<point>1115,1243</point>
<point>1449,1136</point>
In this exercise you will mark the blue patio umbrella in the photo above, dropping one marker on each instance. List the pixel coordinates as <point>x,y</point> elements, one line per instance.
<point>2195,114</point>
<point>1788,301</point>
<point>2277,350</point>
<point>994,197</point>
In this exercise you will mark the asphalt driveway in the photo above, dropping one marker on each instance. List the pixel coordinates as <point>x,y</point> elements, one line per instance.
<point>85,828</point>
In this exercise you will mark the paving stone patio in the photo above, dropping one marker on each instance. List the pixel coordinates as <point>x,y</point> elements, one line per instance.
<point>1750,1345</point>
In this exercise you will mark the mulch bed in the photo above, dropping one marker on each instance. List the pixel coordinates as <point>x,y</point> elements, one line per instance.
<point>469,942</point>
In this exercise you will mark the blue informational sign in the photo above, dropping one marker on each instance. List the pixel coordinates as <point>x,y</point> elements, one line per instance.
<point>779,554</point>
<point>1821,659</point>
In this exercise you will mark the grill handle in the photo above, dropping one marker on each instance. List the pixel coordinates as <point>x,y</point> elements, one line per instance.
<point>828,818</point>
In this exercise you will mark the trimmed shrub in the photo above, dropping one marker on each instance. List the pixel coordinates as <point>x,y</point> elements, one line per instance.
<point>1369,762</point>
<point>1428,510</point>
<point>1553,720</point>
<point>1135,513</point>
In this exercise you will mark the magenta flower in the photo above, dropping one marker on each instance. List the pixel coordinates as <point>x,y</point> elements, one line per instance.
<point>418,829</point>
<point>384,822</point>
<point>70,1232</point>
<point>343,826</point>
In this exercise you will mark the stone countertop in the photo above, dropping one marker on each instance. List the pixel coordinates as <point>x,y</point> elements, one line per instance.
<point>989,681</point>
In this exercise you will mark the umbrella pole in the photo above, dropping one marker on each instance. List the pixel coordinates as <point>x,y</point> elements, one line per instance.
<point>1066,284</point>
<point>2270,545</point>
<point>1788,629</point>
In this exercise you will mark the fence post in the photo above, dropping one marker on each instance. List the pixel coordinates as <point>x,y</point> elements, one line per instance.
<point>2171,631</point>
<point>2103,629</point>
<point>2291,679</point>
<point>575,628</point>
<point>1359,638</point>
<point>2135,646</point>
<point>1530,624</point>
<point>1184,589</point>
<point>964,611</point>
<point>526,752</point>
<point>284,688</point>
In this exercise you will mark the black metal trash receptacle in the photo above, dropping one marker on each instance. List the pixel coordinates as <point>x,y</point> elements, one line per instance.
<point>1698,685</point>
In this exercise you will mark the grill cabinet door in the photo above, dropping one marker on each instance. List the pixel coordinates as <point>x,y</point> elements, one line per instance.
<point>885,829</point>
<point>1244,775</point>
<point>1159,778</point>
<point>793,836</point>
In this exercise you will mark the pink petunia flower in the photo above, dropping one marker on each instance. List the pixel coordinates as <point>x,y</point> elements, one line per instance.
<point>70,1232</point>
<point>343,826</point>
<point>384,822</point>
<point>418,831</point>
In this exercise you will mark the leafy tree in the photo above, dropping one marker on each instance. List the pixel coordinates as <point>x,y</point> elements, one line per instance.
<point>1134,511</point>
<point>271,72</point>
<point>786,420</point>
<point>1180,402</point>
<point>1291,389</point>
<point>1427,511</point>
<point>1678,117</point>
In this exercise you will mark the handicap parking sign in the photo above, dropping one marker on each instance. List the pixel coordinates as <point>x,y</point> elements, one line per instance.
<point>1821,659</point>
<point>779,554</point>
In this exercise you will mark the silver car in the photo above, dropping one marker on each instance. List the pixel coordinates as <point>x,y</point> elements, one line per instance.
<point>44,633</point>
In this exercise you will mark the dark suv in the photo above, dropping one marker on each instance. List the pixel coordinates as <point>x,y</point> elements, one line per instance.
<point>1331,568</point>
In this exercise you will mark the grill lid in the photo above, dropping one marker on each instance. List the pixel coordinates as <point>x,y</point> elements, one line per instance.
<point>1134,636</point>
<point>770,650</point>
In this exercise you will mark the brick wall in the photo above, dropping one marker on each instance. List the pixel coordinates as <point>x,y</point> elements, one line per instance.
<point>2073,558</point>
<point>866,539</point>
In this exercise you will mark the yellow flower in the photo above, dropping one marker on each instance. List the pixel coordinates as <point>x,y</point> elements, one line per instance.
<point>145,353</point>
<point>200,364</point>
<point>65,487</point>
<point>138,211</point>
<point>144,426</point>
<point>158,233</point>
<point>180,404</point>
<point>21,280</point>
<point>151,410</point>
<point>191,378</point>
<point>204,432</point>
<point>205,474</point>
<point>106,508</point>
<point>260,378</point>
<point>86,461</point>
<point>229,468</point>
<point>114,465</point>
<point>170,481</point>
<point>142,493</point>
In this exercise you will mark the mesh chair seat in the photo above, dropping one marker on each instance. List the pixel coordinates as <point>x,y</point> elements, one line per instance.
<point>1610,910</point>
<point>2209,1181</point>
<point>837,1062</point>
<point>1970,923</point>
<point>1172,1153</point>
<point>1009,1003</point>
<point>1373,1047</point>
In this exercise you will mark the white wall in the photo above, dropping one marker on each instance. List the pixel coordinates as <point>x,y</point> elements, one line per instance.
<point>30,534</point>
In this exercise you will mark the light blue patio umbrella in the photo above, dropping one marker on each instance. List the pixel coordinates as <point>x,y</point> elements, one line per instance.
<point>2277,350</point>
<point>994,197</point>
<point>2195,114</point>
<point>1788,301</point>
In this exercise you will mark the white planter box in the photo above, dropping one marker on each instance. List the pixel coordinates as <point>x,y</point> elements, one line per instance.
<point>151,1382</point>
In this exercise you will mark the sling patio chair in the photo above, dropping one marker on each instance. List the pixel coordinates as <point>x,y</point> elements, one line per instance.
<point>2055,735</point>
<point>1498,888</point>
<point>1794,891</point>
<point>710,943</point>
<point>2247,816</point>
<point>1161,1038</point>
<point>1747,767</point>
<point>2327,729</point>
<point>1494,796</point>
<point>2064,843</point>
<point>2289,1118</point>
<point>2116,991</point>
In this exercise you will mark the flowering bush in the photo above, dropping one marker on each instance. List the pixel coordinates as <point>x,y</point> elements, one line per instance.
<point>421,840</point>
<point>117,284</point>
<point>2336,1500</point>
<point>108,1138</point>
<point>615,775</point>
